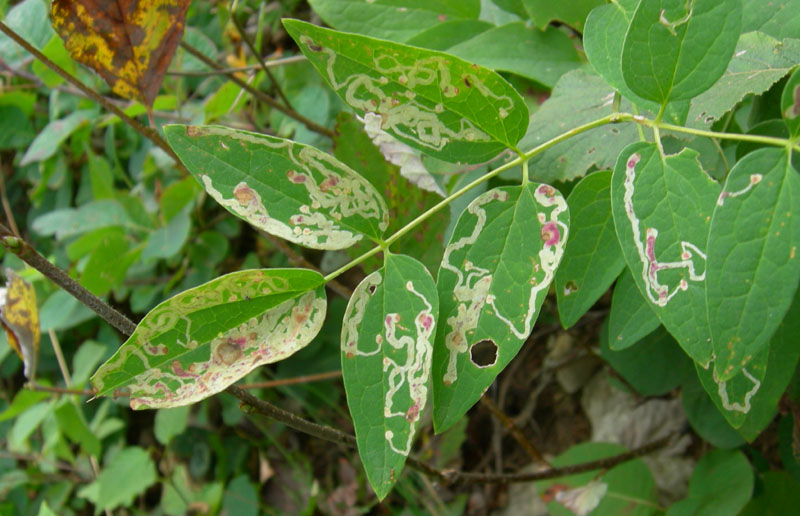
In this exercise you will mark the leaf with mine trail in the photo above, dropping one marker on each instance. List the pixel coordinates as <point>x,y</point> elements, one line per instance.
<point>495,273</point>
<point>759,61</point>
<point>200,341</point>
<point>437,103</point>
<point>287,189</point>
<point>387,336</point>
<point>662,208</point>
<point>593,259</point>
<point>130,44</point>
<point>750,399</point>
<point>631,317</point>
<point>753,268</point>
<point>19,317</point>
<point>790,103</point>
<point>676,49</point>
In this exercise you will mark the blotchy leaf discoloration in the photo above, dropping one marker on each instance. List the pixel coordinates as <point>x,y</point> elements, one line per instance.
<point>289,190</point>
<point>197,343</point>
<point>130,43</point>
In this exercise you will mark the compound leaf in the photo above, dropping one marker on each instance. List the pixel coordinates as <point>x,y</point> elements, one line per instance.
<point>200,341</point>
<point>662,208</point>
<point>676,49</point>
<point>386,363</point>
<point>494,276</point>
<point>287,189</point>
<point>753,270</point>
<point>130,44</point>
<point>592,259</point>
<point>437,103</point>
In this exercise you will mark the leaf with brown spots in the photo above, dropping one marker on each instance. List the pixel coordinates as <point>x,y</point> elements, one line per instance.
<point>130,43</point>
<point>19,317</point>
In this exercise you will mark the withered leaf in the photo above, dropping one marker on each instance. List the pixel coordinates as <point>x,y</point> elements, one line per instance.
<point>130,43</point>
<point>19,317</point>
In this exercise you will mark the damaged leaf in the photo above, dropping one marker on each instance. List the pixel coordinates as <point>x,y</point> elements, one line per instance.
<point>19,317</point>
<point>130,43</point>
<point>199,342</point>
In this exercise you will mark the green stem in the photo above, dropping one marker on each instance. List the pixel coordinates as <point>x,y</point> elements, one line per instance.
<point>767,140</point>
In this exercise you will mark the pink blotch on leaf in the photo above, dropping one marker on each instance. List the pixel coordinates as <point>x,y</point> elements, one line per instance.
<point>550,233</point>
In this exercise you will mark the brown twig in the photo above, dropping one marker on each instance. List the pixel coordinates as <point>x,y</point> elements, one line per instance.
<point>258,57</point>
<point>6,205</point>
<point>260,95</point>
<point>225,71</point>
<point>514,430</point>
<point>147,132</point>
<point>30,256</point>
<point>292,381</point>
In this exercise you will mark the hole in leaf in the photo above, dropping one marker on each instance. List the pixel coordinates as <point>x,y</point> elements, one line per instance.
<point>570,287</point>
<point>483,353</point>
<point>372,288</point>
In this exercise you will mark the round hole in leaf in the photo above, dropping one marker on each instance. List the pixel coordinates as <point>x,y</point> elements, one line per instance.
<point>483,353</point>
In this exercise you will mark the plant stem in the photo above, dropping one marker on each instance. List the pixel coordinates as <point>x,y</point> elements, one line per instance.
<point>767,140</point>
<point>30,256</point>
<point>147,132</point>
<point>224,71</point>
<point>260,95</point>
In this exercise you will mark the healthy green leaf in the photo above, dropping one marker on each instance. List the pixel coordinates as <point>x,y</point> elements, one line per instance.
<point>397,20</point>
<point>721,485</point>
<point>434,102</point>
<point>128,474</point>
<point>47,142</point>
<point>72,423</point>
<point>592,259</point>
<point>108,263</point>
<point>759,61</point>
<point>449,34</point>
<point>578,98</point>
<point>75,221</point>
<point>778,495</point>
<point>753,270</point>
<point>662,208</point>
<point>750,399</point>
<point>241,497</point>
<point>494,276</point>
<point>790,103</point>
<point>170,422</point>
<point>654,366</point>
<point>676,49</point>
<point>528,52</point>
<point>627,488</point>
<point>573,13</point>
<point>387,385</point>
<point>631,317</point>
<point>197,343</point>
<point>168,240</point>
<point>778,18</point>
<point>284,188</point>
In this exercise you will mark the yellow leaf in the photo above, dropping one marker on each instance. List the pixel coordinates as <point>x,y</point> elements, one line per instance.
<point>19,316</point>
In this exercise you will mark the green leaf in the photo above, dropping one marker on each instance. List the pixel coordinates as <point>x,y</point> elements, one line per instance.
<point>438,104</point>
<point>676,49</point>
<point>168,240</point>
<point>177,196</point>
<point>790,103</point>
<point>625,484</point>
<point>778,18</point>
<point>284,188</point>
<point>494,276</point>
<point>750,399</point>
<point>662,208</point>
<point>72,423</point>
<point>654,366</point>
<point>592,259</point>
<point>127,476</point>
<point>572,13</point>
<point>780,494</point>
<point>16,131</point>
<point>540,56</point>
<point>197,343</point>
<point>704,417</point>
<point>397,20</point>
<point>241,498</point>
<point>404,200</point>
<point>753,270</point>
<point>170,422</point>
<point>758,62</point>
<point>49,139</point>
<point>108,263</point>
<point>721,485</point>
<point>387,385</point>
<point>449,34</point>
<point>631,317</point>
<point>578,98</point>
<point>75,221</point>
